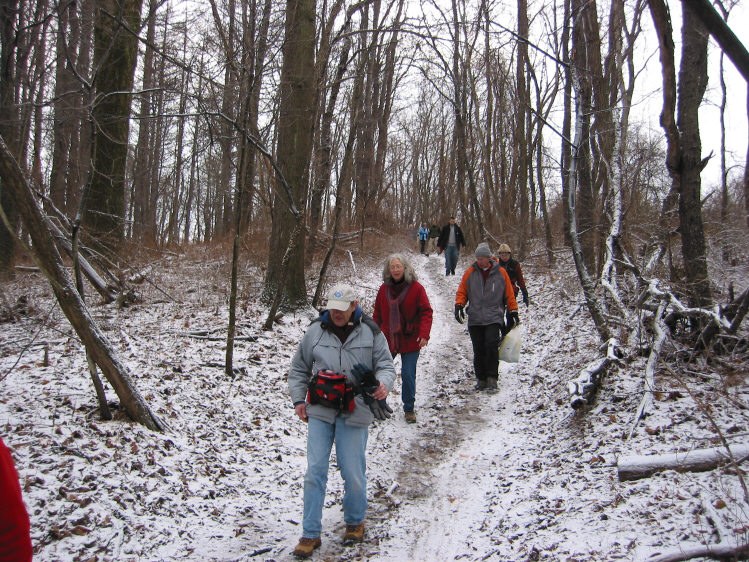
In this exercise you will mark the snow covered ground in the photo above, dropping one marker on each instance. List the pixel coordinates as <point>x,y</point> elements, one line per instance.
<point>513,476</point>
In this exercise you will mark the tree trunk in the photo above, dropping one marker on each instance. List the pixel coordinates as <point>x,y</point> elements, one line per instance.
<point>9,128</point>
<point>585,208</point>
<point>50,261</point>
<point>295,132</point>
<point>692,84</point>
<point>143,223</point>
<point>522,132</point>
<point>566,148</point>
<point>66,120</point>
<point>323,153</point>
<point>115,57</point>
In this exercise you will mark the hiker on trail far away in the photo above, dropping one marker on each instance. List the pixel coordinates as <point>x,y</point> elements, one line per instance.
<point>339,380</point>
<point>434,233</point>
<point>513,269</point>
<point>403,312</point>
<point>450,241</point>
<point>485,291</point>
<point>423,237</point>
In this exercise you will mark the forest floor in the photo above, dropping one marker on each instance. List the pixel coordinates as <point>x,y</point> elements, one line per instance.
<point>516,475</point>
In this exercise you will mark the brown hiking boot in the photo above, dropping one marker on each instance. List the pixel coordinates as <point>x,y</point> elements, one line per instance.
<point>410,417</point>
<point>491,385</point>
<point>354,533</point>
<point>306,547</point>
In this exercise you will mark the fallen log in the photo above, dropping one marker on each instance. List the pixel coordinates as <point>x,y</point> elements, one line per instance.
<point>697,460</point>
<point>583,388</point>
<point>714,551</point>
<point>660,338</point>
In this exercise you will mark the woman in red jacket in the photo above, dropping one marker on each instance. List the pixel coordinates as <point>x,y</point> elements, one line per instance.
<point>403,313</point>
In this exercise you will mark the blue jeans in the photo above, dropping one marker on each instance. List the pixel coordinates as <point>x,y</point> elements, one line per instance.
<point>451,259</point>
<point>350,450</point>
<point>408,379</point>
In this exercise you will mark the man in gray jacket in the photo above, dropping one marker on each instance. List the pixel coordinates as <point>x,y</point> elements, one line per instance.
<point>487,291</point>
<point>344,341</point>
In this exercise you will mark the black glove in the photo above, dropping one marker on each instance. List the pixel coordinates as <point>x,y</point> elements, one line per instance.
<point>364,376</point>
<point>512,320</point>
<point>525,298</point>
<point>379,408</point>
<point>368,383</point>
<point>460,314</point>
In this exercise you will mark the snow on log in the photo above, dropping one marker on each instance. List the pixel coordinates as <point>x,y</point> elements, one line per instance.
<point>714,551</point>
<point>697,460</point>
<point>583,388</point>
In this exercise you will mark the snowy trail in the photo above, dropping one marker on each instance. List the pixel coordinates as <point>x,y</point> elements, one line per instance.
<point>477,478</point>
<point>452,520</point>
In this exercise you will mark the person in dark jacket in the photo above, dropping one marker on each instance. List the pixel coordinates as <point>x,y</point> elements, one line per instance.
<point>484,293</point>
<point>450,241</point>
<point>434,234</point>
<point>15,537</point>
<point>343,341</point>
<point>403,313</point>
<point>515,272</point>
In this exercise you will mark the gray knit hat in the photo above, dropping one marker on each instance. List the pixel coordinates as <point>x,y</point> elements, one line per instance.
<point>483,251</point>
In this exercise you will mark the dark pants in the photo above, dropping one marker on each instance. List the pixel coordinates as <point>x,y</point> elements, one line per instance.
<point>485,341</point>
<point>422,246</point>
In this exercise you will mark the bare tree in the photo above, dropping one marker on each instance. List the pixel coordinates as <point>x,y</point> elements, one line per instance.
<point>9,128</point>
<point>115,53</point>
<point>296,119</point>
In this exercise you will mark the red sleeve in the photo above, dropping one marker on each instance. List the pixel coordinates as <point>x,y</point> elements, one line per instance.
<point>425,313</point>
<point>512,303</point>
<point>379,303</point>
<point>521,279</point>
<point>15,538</point>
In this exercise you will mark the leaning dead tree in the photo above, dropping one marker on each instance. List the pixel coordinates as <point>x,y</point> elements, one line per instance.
<point>50,262</point>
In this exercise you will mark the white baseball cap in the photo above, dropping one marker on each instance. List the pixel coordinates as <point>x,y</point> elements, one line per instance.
<point>340,297</point>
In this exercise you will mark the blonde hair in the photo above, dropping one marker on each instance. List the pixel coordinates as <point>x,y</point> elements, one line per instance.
<point>409,275</point>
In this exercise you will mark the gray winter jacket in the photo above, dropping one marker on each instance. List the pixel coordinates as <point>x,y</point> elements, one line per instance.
<point>320,349</point>
<point>486,299</point>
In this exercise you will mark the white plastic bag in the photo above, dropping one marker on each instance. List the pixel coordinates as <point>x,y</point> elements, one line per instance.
<point>509,349</point>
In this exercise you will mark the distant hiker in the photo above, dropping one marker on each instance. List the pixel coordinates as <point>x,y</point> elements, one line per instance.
<point>423,237</point>
<point>15,537</point>
<point>403,312</point>
<point>450,241</point>
<point>339,379</point>
<point>487,291</point>
<point>513,269</point>
<point>434,233</point>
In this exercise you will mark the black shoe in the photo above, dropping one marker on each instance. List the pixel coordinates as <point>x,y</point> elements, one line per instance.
<point>480,385</point>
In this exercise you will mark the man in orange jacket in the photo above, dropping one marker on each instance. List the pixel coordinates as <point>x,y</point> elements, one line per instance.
<point>485,291</point>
